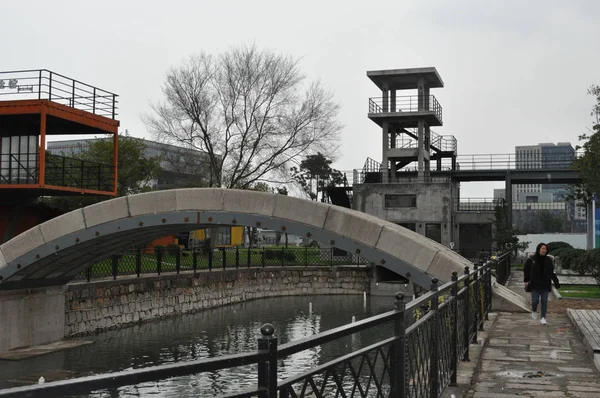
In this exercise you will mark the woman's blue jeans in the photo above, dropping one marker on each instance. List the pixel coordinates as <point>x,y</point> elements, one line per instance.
<point>535,299</point>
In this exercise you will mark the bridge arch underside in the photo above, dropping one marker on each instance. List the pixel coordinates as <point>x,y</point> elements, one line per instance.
<point>62,248</point>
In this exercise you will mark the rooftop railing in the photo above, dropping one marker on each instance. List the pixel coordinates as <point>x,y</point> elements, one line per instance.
<point>47,85</point>
<point>409,103</point>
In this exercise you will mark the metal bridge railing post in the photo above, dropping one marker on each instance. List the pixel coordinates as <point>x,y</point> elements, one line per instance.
<point>476,300</point>
<point>115,266</point>
<point>482,293</point>
<point>267,371</point>
<point>467,324</point>
<point>195,261</point>
<point>159,254</point>
<point>399,358</point>
<point>454,338</point>
<point>138,261</point>
<point>488,290</point>
<point>434,373</point>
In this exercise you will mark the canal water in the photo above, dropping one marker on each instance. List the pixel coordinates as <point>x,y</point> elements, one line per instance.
<point>226,330</point>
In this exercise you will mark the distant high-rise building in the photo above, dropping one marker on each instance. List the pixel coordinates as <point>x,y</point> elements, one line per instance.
<point>499,193</point>
<point>543,155</point>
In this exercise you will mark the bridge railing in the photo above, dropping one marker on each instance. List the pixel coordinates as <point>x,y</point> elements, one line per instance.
<point>426,340</point>
<point>513,161</point>
<point>143,261</point>
<point>477,204</point>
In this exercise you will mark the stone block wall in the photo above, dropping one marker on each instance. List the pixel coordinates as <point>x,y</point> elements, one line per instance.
<point>91,307</point>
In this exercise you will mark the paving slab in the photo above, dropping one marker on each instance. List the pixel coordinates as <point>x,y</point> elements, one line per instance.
<point>524,358</point>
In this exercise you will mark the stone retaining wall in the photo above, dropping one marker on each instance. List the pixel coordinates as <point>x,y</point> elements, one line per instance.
<point>90,307</point>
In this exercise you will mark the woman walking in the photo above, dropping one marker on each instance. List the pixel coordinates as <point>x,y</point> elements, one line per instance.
<point>538,275</point>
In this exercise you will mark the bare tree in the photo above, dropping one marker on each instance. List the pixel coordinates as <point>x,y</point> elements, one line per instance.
<point>250,110</point>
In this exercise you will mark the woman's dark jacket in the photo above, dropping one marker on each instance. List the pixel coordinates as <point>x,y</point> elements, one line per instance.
<point>539,270</point>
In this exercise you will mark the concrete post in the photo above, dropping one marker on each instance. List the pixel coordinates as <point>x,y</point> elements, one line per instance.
<point>385,128</point>
<point>393,101</point>
<point>31,316</point>
<point>385,98</point>
<point>420,94</point>
<point>426,152</point>
<point>421,143</point>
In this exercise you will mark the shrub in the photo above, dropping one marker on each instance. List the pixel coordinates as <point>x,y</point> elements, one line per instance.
<point>269,254</point>
<point>553,246</point>
<point>172,249</point>
<point>289,256</point>
<point>159,249</point>
<point>589,263</point>
<point>185,254</point>
<point>572,258</point>
<point>560,254</point>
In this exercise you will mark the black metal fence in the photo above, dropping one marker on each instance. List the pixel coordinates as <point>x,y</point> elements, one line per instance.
<point>48,85</point>
<point>76,173</point>
<point>503,267</point>
<point>174,259</point>
<point>428,337</point>
<point>61,171</point>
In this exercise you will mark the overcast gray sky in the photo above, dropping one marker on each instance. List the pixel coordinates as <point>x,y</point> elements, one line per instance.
<point>515,72</point>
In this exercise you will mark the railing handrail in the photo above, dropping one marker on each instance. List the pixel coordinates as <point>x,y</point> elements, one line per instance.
<point>135,376</point>
<point>54,73</point>
<point>403,96</point>
<point>44,84</point>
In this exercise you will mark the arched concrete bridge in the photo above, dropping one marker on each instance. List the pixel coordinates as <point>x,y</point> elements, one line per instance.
<point>56,251</point>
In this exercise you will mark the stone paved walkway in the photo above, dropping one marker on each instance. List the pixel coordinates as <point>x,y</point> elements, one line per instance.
<point>524,358</point>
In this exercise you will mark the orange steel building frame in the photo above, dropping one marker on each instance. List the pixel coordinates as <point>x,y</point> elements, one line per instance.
<point>82,119</point>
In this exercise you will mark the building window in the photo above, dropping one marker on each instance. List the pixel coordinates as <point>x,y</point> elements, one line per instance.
<point>531,199</point>
<point>400,201</point>
<point>223,237</point>
<point>434,232</point>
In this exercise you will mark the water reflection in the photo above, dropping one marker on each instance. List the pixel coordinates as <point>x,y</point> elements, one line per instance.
<point>227,330</point>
